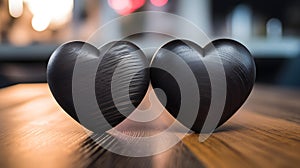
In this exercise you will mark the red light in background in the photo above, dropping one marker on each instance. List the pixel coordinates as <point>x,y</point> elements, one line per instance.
<point>125,7</point>
<point>136,4</point>
<point>122,7</point>
<point>159,3</point>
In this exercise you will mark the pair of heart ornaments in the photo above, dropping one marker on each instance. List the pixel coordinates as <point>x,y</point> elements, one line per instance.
<point>190,81</point>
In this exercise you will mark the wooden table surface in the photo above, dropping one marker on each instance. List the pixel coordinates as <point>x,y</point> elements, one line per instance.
<point>35,132</point>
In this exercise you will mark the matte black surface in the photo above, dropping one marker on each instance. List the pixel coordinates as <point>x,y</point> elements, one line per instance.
<point>132,71</point>
<point>239,70</point>
<point>60,72</point>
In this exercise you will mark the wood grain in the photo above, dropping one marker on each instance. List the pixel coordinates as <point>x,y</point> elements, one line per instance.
<point>35,132</point>
<point>264,133</point>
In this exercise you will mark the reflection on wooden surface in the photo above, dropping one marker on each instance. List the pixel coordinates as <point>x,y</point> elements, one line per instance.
<point>93,155</point>
<point>35,132</point>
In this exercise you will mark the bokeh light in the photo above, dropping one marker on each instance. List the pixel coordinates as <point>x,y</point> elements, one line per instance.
<point>15,8</point>
<point>159,3</point>
<point>56,12</point>
<point>125,7</point>
<point>40,23</point>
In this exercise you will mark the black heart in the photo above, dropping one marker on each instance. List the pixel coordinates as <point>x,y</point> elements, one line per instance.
<point>121,54</point>
<point>239,70</point>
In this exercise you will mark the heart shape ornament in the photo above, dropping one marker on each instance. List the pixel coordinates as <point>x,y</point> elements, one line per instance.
<point>178,55</point>
<point>122,69</point>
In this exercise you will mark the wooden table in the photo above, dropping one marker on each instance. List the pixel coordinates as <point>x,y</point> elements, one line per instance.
<point>35,132</point>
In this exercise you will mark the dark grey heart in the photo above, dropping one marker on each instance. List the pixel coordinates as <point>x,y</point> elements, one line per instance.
<point>121,54</point>
<point>239,70</point>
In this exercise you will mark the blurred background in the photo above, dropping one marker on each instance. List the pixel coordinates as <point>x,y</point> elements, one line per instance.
<point>30,30</point>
